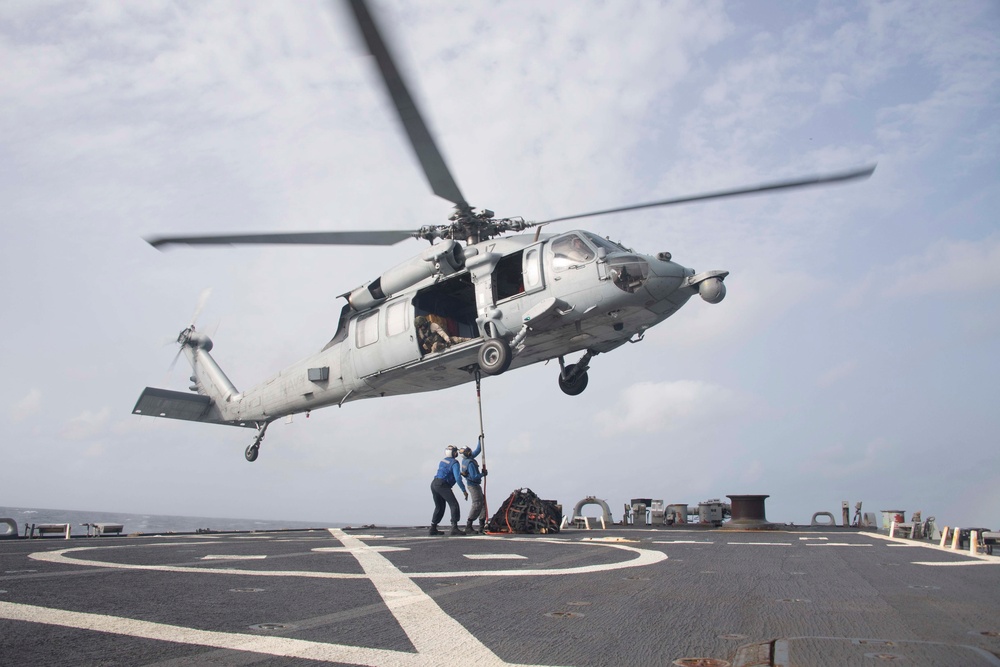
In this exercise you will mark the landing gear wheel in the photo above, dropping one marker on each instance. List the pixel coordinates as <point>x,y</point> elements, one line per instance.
<point>252,452</point>
<point>574,387</point>
<point>494,356</point>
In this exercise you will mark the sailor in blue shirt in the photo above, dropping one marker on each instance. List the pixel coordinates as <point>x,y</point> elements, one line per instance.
<point>448,473</point>
<point>472,475</point>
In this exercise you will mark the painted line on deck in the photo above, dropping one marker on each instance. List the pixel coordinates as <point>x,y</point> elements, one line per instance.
<point>954,564</point>
<point>61,558</point>
<point>642,557</point>
<point>841,544</point>
<point>976,559</point>
<point>231,557</point>
<point>764,544</point>
<point>495,556</point>
<point>346,550</point>
<point>277,646</point>
<point>423,621</point>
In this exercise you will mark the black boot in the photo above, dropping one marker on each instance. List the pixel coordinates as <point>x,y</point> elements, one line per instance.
<point>434,530</point>
<point>455,530</point>
<point>468,527</point>
<point>482,527</point>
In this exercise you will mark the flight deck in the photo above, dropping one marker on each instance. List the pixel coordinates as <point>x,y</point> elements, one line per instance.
<point>394,596</point>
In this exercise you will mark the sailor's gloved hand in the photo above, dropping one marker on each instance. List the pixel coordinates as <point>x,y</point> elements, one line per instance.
<point>485,471</point>
<point>466,494</point>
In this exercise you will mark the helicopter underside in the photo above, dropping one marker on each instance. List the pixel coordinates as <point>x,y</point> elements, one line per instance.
<point>457,365</point>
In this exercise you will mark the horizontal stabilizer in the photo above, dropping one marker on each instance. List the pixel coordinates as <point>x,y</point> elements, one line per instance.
<point>179,405</point>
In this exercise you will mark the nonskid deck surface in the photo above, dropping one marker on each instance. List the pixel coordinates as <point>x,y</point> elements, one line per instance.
<point>397,597</point>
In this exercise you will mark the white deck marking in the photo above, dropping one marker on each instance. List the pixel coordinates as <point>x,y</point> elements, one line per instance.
<point>841,544</point>
<point>60,557</point>
<point>764,544</point>
<point>955,564</point>
<point>423,621</point>
<point>814,538</point>
<point>231,557</point>
<point>277,646</point>
<point>345,550</point>
<point>645,557</point>
<point>680,542</point>
<point>495,556</point>
<point>978,558</point>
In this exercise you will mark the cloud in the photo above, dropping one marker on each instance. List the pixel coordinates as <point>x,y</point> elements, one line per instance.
<point>968,267</point>
<point>837,373</point>
<point>86,425</point>
<point>28,406</point>
<point>649,407</point>
<point>848,461</point>
<point>955,267</point>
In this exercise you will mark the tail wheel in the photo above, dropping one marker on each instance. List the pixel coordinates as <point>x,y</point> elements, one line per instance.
<point>575,386</point>
<point>494,356</point>
<point>252,452</point>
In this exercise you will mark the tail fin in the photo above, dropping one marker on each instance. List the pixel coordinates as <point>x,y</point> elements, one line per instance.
<point>215,391</point>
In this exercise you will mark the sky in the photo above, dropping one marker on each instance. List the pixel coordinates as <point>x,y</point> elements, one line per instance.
<point>854,357</point>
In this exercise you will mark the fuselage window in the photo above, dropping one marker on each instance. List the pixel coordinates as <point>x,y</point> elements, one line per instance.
<point>508,277</point>
<point>570,250</point>
<point>532,269</point>
<point>366,331</point>
<point>395,318</point>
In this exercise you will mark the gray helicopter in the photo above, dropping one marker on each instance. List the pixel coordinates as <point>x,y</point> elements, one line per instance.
<point>474,302</point>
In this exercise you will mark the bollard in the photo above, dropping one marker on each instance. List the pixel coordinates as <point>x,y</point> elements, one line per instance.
<point>944,536</point>
<point>974,543</point>
<point>956,536</point>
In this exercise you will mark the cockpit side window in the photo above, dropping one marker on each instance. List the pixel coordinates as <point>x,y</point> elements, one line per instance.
<point>570,250</point>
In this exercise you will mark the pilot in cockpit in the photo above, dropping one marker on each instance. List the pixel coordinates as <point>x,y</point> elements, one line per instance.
<point>571,250</point>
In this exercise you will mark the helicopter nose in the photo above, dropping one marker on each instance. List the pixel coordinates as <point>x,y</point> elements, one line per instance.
<point>665,277</point>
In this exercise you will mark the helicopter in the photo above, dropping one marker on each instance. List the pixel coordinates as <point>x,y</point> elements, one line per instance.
<point>491,294</point>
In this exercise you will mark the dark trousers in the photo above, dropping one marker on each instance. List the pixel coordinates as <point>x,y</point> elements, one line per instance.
<point>443,494</point>
<point>478,509</point>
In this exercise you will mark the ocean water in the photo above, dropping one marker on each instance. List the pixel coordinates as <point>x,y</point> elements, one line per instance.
<point>148,523</point>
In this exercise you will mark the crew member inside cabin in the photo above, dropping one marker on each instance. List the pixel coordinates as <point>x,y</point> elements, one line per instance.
<point>432,336</point>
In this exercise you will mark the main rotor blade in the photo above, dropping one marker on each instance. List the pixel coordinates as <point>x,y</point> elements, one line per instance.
<point>765,187</point>
<point>437,172</point>
<point>301,238</point>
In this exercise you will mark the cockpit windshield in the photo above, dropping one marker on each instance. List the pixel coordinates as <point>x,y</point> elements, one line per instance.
<point>600,242</point>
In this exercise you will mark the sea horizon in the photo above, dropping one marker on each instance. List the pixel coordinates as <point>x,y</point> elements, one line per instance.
<point>150,523</point>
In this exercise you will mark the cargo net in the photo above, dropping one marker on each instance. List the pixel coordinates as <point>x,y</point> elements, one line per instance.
<point>525,512</point>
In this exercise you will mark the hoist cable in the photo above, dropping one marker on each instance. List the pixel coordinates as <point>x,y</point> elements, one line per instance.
<point>482,446</point>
